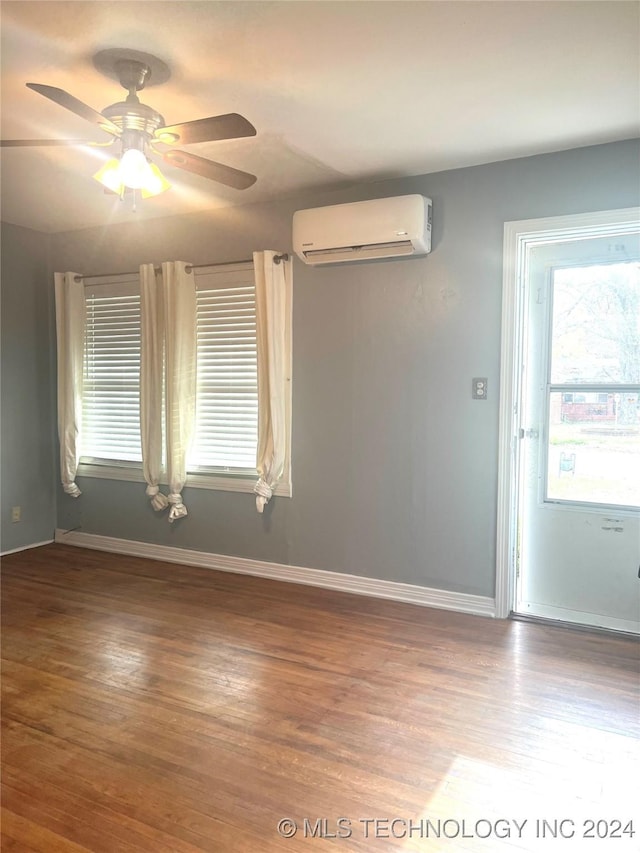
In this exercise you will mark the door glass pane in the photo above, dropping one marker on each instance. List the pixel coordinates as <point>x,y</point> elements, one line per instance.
<point>596,325</point>
<point>594,448</point>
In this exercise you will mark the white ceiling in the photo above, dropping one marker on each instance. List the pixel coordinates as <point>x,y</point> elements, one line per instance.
<point>340,92</point>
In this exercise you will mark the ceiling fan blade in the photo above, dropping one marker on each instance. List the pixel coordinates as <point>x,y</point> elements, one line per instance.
<point>64,99</point>
<point>230,126</point>
<point>208,169</point>
<point>33,143</point>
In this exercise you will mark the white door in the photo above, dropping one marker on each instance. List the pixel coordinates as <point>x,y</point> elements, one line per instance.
<point>578,536</point>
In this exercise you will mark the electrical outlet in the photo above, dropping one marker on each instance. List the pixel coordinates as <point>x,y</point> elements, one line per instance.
<point>479,388</point>
<point>16,513</point>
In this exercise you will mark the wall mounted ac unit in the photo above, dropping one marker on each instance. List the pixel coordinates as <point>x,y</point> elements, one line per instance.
<point>382,228</point>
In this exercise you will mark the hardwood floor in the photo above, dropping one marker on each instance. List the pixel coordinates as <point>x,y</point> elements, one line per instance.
<point>152,707</point>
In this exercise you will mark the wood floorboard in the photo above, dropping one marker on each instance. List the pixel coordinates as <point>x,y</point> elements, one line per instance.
<point>154,707</point>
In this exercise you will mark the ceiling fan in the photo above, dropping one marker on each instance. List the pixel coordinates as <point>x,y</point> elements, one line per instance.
<point>140,128</point>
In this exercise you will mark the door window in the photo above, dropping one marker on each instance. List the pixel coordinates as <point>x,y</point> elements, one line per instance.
<point>593,399</point>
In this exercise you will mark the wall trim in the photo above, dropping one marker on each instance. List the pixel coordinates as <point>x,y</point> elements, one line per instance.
<point>26,547</point>
<point>393,590</point>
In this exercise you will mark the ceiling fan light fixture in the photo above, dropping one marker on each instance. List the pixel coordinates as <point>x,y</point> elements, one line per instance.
<point>132,171</point>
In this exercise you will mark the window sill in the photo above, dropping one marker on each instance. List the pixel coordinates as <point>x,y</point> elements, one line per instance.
<point>213,482</point>
<point>229,483</point>
<point>111,472</point>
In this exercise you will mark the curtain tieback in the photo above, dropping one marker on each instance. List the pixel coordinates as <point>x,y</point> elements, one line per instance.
<point>264,494</point>
<point>178,509</point>
<point>158,500</point>
<point>71,489</point>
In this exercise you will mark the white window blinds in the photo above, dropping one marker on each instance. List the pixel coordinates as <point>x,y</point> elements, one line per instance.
<point>226,431</point>
<point>111,400</point>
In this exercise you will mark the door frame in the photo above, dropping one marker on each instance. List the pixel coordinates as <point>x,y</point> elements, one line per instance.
<point>520,237</point>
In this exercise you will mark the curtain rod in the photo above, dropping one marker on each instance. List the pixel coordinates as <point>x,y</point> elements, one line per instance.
<point>189,267</point>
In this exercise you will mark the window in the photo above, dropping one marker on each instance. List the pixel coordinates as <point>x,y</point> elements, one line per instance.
<point>594,385</point>
<point>223,453</point>
<point>111,400</point>
<point>226,434</point>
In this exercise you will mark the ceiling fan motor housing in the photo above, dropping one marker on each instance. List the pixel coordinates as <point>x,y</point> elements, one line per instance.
<point>137,121</point>
<point>134,116</point>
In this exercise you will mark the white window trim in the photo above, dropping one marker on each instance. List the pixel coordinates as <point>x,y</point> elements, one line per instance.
<point>224,482</point>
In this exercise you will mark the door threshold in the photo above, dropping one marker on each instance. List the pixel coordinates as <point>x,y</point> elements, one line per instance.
<point>573,626</point>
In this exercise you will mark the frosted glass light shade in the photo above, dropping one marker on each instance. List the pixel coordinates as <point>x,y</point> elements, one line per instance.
<point>155,182</point>
<point>109,176</point>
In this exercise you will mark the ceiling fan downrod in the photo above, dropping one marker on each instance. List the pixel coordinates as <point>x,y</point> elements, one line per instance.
<point>133,75</point>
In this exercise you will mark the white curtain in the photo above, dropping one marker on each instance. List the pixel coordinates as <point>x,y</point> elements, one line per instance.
<point>70,328</point>
<point>271,317</point>
<point>151,378</point>
<point>179,307</point>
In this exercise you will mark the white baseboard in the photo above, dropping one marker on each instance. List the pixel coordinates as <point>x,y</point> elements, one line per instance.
<point>410,593</point>
<point>26,547</point>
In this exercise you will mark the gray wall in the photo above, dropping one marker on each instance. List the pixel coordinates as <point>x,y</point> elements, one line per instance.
<point>394,465</point>
<point>27,446</point>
